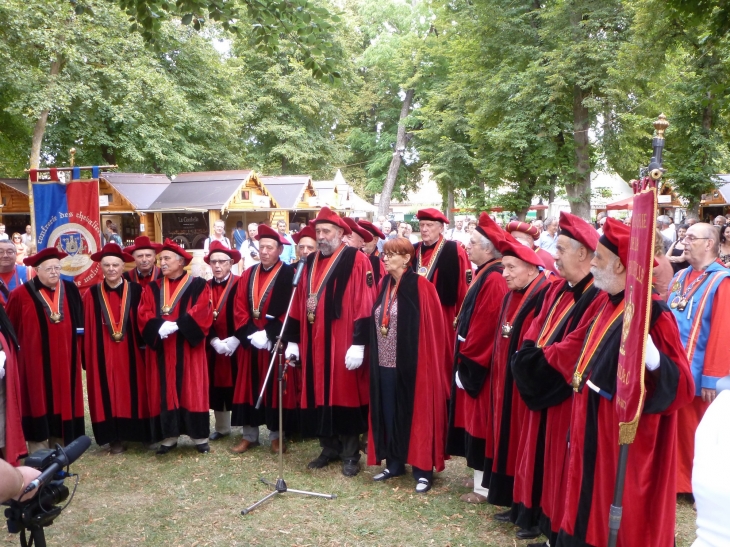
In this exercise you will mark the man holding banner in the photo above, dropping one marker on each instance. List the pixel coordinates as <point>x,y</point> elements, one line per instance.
<point>598,407</point>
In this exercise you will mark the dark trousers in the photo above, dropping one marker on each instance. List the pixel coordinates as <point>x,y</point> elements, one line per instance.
<point>345,447</point>
<point>388,397</point>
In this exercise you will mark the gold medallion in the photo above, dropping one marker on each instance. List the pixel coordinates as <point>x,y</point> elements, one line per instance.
<point>256,314</point>
<point>576,381</point>
<point>384,330</point>
<point>166,310</point>
<point>117,336</point>
<point>682,304</point>
<point>422,270</point>
<point>675,302</point>
<point>56,317</point>
<point>215,315</point>
<point>675,287</point>
<point>456,322</point>
<point>506,330</point>
<point>310,317</point>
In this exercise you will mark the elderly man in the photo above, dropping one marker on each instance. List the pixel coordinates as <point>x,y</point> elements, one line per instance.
<point>175,315</point>
<point>445,264</point>
<point>305,241</point>
<point>476,328</point>
<point>259,312</point>
<point>527,285</point>
<point>329,319</point>
<point>700,301</point>
<point>250,247</point>
<point>12,275</point>
<point>720,220</point>
<point>667,227</point>
<point>47,315</point>
<point>115,372</point>
<point>458,233</point>
<point>370,248</point>
<point>222,344</point>
<point>219,235</point>
<point>27,238</point>
<point>548,239</point>
<point>528,235</point>
<point>542,369</point>
<point>649,500</point>
<point>145,270</point>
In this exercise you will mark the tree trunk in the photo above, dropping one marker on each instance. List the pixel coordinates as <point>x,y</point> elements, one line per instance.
<point>579,192</point>
<point>450,206</point>
<point>400,146</point>
<point>40,125</point>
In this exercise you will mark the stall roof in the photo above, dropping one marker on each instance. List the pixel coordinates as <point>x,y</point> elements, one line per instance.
<point>287,190</point>
<point>21,185</point>
<point>187,194</point>
<point>140,189</point>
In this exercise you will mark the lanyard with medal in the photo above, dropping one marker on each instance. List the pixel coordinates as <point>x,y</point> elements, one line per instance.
<point>388,300</point>
<point>316,292</point>
<point>222,299</point>
<point>680,301</point>
<point>427,270</point>
<point>507,327</point>
<point>116,328</point>
<point>258,296</point>
<point>550,327</point>
<point>592,343</point>
<point>168,304</point>
<point>55,313</point>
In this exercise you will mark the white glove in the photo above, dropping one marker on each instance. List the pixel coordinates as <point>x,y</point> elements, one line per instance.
<point>259,340</point>
<point>458,381</point>
<point>167,328</point>
<point>218,346</point>
<point>2,364</point>
<point>292,351</point>
<point>652,354</point>
<point>354,357</point>
<point>231,345</point>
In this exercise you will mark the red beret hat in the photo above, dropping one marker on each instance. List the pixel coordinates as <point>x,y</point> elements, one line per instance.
<point>372,228</point>
<point>576,228</point>
<point>307,231</point>
<point>517,226</point>
<point>359,230</point>
<point>432,214</point>
<point>490,229</point>
<point>518,250</point>
<point>218,247</point>
<point>266,231</point>
<point>170,245</point>
<point>45,254</point>
<point>143,242</point>
<point>328,215</point>
<point>616,237</point>
<point>112,249</point>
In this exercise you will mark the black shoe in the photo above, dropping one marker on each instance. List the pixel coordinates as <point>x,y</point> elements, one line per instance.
<point>528,533</point>
<point>543,544</point>
<point>350,468</point>
<point>203,448</point>
<point>503,517</point>
<point>163,449</point>
<point>384,475</point>
<point>319,462</point>
<point>215,436</point>
<point>423,486</point>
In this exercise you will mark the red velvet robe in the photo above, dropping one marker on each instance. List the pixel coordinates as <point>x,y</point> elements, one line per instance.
<point>508,409</point>
<point>470,410</point>
<point>15,447</point>
<point>222,370</point>
<point>378,268</point>
<point>115,371</point>
<point>420,422</point>
<point>177,368</point>
<point>649,500</point>
<point>133,275</point>
<point>253,363</point>
<point>52,398</point>
<point>334,400</point>
<point>543,386</point>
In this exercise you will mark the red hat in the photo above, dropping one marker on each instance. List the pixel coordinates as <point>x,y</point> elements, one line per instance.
<point>112,249</point>
<point>490,229</point>
<point>45,254</point>
<point>170,245</point>
<point>518,250</point>
<point>372,228</point>
<point>218,247</point>
<point>576,228</point>
<point>359,230</point>
<point>517,226</point>
<point>307,231</point>
<point>143,242</point>
<point>328,215</point>
<point>615,238</point>
<point>432,214</point>
<point>266,231</point>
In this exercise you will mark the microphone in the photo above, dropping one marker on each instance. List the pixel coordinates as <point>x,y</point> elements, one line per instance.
<point>61,459</point>
<point>298,274</point>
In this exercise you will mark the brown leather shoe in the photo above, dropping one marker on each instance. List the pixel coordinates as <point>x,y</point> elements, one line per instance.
<point>275,447</point>
<point>244,446</point>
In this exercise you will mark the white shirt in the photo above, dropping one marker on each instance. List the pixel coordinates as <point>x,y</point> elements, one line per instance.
<point>458,235</point>
<point>246,249</point>
<point>670,232</point>
<point>223,241</point>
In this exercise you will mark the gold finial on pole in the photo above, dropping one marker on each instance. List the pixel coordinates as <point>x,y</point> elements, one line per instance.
<point>661,125</point>
<point>72,151</point>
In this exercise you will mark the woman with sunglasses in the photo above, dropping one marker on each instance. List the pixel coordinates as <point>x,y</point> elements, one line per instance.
<point>20,248</point>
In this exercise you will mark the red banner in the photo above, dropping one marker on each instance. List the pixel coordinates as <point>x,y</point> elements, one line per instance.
<point>630,390</point>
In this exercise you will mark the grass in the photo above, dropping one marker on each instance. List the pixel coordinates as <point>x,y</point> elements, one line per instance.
<point>195,500</point>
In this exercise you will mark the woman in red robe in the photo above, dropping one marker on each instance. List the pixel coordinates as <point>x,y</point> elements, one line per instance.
<point>407,394</point>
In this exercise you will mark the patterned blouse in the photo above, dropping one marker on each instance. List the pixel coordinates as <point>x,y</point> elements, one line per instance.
<point>387,344</point>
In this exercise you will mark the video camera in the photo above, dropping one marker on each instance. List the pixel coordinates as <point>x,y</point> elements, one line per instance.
<point>42,509</point>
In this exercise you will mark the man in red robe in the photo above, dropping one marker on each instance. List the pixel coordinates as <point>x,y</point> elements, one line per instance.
<point>115,372</point>
<point>12,441</point>
<point>259,311</point>
<point>305,241</point>
<point>358,238</point>
<point>175,315</point>
<point>222,344</point>
<point>145,270</point>
<point>649,499</point>
<point>47,315</point>
<point>527,285</point>
<point>328,327</point>
<point>445,264</point>
<point>542,370</point>
<point>370,248</point>
<point>477,328</point>
<point>528,235</point>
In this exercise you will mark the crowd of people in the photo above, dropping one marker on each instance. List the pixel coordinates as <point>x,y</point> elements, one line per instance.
<point>496,344</point>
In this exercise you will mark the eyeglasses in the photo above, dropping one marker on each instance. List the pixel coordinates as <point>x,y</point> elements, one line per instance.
<point>692,239</point>
<point>8,252</point>
<point>219,262</point>
<point>51,269</point>
<point>391,255</point>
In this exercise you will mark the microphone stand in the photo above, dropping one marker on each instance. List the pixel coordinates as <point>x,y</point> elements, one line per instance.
<point>280,486</point>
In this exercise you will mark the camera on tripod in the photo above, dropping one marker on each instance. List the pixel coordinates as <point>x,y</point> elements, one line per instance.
<point>42,509</point>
